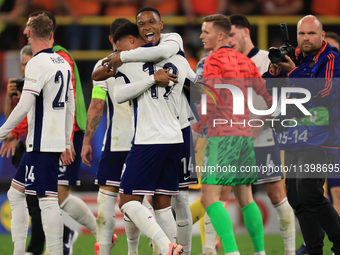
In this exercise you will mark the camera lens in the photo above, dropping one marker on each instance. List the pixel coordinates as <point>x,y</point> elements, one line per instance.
<point>275,55</point>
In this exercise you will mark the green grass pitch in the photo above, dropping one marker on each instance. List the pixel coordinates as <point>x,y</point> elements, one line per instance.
<point>85,245</point>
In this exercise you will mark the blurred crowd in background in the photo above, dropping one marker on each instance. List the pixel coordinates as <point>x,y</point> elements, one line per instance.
<point>94,37</point>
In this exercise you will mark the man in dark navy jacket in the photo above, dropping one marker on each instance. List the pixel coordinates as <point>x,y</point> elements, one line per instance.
<point>313,142</point>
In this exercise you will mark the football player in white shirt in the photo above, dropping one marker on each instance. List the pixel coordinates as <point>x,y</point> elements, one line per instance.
<point>47,100</point>
<point>266,151</point>
<point>116,146</point>
<point>151,166</point>
<point>149,23</point>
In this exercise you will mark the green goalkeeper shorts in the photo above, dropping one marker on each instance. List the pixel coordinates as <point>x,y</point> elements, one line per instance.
<point>229,161</point>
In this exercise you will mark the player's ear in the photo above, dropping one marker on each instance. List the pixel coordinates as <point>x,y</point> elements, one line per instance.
<point>161,24</point>
<point>131,39</point>
<point>247,32</point>
<point>323,33</point>
<point>51,37</point>
<point>221,36</point>
<point>111,39</point>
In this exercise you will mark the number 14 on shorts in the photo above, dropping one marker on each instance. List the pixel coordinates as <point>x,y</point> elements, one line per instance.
<point>29,174</point>
<point>187,167</point>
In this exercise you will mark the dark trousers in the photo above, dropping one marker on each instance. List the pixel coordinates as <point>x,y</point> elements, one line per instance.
<point>305,194</point>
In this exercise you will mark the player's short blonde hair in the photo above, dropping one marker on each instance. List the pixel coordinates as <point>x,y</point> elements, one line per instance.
<point>220,21</point>
<point>41,26</point>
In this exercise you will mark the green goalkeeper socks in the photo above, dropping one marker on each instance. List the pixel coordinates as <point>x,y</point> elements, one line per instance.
<point>253,221</point>
<point>221,221</point>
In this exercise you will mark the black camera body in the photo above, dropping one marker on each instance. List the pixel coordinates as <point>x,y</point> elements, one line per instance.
<point>277,55</point>
<point>20,84</point>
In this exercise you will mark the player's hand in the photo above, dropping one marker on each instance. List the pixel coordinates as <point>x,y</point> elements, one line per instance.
<point>73,151</point>
<point>11,88</point>
<point>112,61</point>
<point>86,154</point>
<point>163,78</point>
<point>66,157</point>
<point>8,146</point>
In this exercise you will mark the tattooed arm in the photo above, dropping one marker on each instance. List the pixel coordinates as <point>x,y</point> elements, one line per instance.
<point>94,115</point>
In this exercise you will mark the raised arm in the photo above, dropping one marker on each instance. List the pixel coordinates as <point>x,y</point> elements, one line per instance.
<point>127,91</point>
<point>171,45</point>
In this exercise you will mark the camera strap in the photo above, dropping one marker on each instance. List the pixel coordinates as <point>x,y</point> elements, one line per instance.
<point>311,65</point>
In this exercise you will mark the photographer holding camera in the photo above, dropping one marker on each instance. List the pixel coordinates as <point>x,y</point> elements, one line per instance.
<point>14,86</point>
<point>315,139</point>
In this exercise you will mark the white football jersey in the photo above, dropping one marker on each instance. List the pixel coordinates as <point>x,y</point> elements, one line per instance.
<point>156,110</point>
<point>186,116</point>
<point>48,76</point>
<point>172,37</point>
<point>265,138</point>
<point>119,131</point>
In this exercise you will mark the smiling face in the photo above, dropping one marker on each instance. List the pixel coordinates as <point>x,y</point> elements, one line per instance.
<point>310,35</point>
<point>149,26</point>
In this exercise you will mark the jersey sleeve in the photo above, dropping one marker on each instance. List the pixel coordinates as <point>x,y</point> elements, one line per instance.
<point>126,91</point>
<point>34,81</point>
<point>168,46</point>
<point>191,76</point>
<point>18,114</point>
<point>174,37</point>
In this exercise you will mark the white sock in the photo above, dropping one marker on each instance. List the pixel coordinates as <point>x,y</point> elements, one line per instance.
<point>210,234</point>
<point>180,203</point>
<point>166,221</point>
<point>132,236</point>
<point>146,203</point>
<point>106,220</point>
<point>233,253</point>
<point>286,219</point>
<point>19,222</point>
<point>155,248</point>
<point>146,222</point>
<point>52,222</point>
<point>80,212</point>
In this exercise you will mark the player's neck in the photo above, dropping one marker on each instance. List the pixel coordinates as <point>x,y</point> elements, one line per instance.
<point>247,48</point>
<point>39,45</point>
<point>219,45</point>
